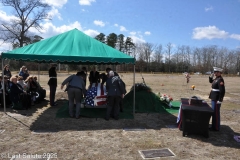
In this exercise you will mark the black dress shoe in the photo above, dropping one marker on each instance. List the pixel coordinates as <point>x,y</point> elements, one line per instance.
<point>106,119</point>
<point>214,130</point>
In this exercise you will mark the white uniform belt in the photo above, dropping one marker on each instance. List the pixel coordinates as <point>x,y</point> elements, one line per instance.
<point>52,77</point>
<point>215,90</point>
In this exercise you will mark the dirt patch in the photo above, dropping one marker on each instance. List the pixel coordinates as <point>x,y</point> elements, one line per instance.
<point>89,138</point>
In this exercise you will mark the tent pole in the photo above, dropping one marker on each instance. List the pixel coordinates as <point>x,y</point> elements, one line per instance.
<point>38,72</point>
<point>3,88</point>
<point>133,90</point>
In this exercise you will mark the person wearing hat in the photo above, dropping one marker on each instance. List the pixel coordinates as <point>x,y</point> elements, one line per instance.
<point>76,88</point>
<point>52,83</point>
<point>216,95</point>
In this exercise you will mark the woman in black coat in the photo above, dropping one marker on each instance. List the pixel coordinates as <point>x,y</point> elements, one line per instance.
<point>7,72</point>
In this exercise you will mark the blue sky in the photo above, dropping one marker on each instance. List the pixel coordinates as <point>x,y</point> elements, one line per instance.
<point>180,22</point>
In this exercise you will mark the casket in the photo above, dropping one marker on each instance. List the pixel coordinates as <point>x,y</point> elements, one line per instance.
<point>96,96</point>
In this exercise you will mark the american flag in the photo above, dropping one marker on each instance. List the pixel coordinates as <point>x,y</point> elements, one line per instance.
<point>96,95</point>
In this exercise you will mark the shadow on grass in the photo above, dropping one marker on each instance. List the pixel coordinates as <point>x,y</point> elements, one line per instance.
<point>28,112</point>
<point>49,120</point>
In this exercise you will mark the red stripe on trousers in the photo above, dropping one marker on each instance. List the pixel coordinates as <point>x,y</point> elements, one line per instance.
<point>216,116</point>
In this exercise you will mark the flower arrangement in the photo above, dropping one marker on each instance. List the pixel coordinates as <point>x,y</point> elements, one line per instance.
<point>166,99</point>
<point>141,87</point>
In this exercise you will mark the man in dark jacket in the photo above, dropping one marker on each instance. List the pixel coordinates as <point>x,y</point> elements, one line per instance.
<point>94,76</point>
<point>216,95</point>
<point>115,92</point>
<point>52,83</point>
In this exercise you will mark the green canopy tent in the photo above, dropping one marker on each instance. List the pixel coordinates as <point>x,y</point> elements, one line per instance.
<point>72,47</point>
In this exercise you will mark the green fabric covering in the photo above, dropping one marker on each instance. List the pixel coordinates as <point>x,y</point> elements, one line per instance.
<point>146,102</point>
<point>70,47</point>
<point>91,113</point>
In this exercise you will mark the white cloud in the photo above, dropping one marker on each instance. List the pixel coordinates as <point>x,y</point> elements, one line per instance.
<point>56,3</point>
<point>147,33</point>
<point>54,12</point>
<point>122,28</point>
<point>6,18</point>
<point>5,46</point>
<point>99,23</point>
<point>208,9</point>
<point>133,33</point>
<point>116,25</point>
<point>209,32</point>
<point>235,36</point>
<point>137,39</point>
<point>91,33</point>
<point>86,2</point>
<point>50,30</point>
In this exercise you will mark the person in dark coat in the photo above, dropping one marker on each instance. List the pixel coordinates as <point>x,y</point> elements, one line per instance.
<point>94,76</point>
<point>84,75</point>
<point>216,95</point>
<point>18,96</point>
<point>115,92</point>
<point>7,72</point>
<point>52,83</point>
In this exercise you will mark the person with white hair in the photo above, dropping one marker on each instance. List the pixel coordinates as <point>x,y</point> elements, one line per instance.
<point>216,95</point>
<point>115,92</point>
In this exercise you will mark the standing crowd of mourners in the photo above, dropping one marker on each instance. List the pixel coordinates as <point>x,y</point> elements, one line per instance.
<point>21,91</point>
<point>76,90</point>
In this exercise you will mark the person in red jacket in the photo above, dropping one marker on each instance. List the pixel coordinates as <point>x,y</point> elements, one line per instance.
<point>216,95</point>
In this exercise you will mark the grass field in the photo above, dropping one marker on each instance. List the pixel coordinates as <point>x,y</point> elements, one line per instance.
<point>90,138</point>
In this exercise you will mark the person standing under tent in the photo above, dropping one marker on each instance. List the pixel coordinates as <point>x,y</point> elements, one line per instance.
<point>115,92</point>
<point>7,72</point>
<point>84,69</point>
<point>216,95</point>
<point>52,83</point>
<point>76,88</point>
<point>94,76</point>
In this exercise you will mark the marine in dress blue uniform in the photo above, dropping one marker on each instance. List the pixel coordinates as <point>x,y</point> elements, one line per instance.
<point>216,95</point>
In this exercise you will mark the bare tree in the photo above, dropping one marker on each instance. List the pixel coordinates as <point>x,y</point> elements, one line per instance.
<point>28,13</point>
<point>169,53</point>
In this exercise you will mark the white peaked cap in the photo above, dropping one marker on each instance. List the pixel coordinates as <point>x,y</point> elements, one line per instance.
<point>217,69</point>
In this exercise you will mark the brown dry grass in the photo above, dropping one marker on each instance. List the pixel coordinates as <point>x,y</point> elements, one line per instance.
<point>88,138</point>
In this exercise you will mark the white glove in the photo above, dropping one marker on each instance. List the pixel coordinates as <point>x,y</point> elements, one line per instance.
<point>218,102</point>
<point>212,75</point>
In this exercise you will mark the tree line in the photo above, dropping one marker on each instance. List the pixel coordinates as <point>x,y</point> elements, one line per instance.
<point>149,57</point>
